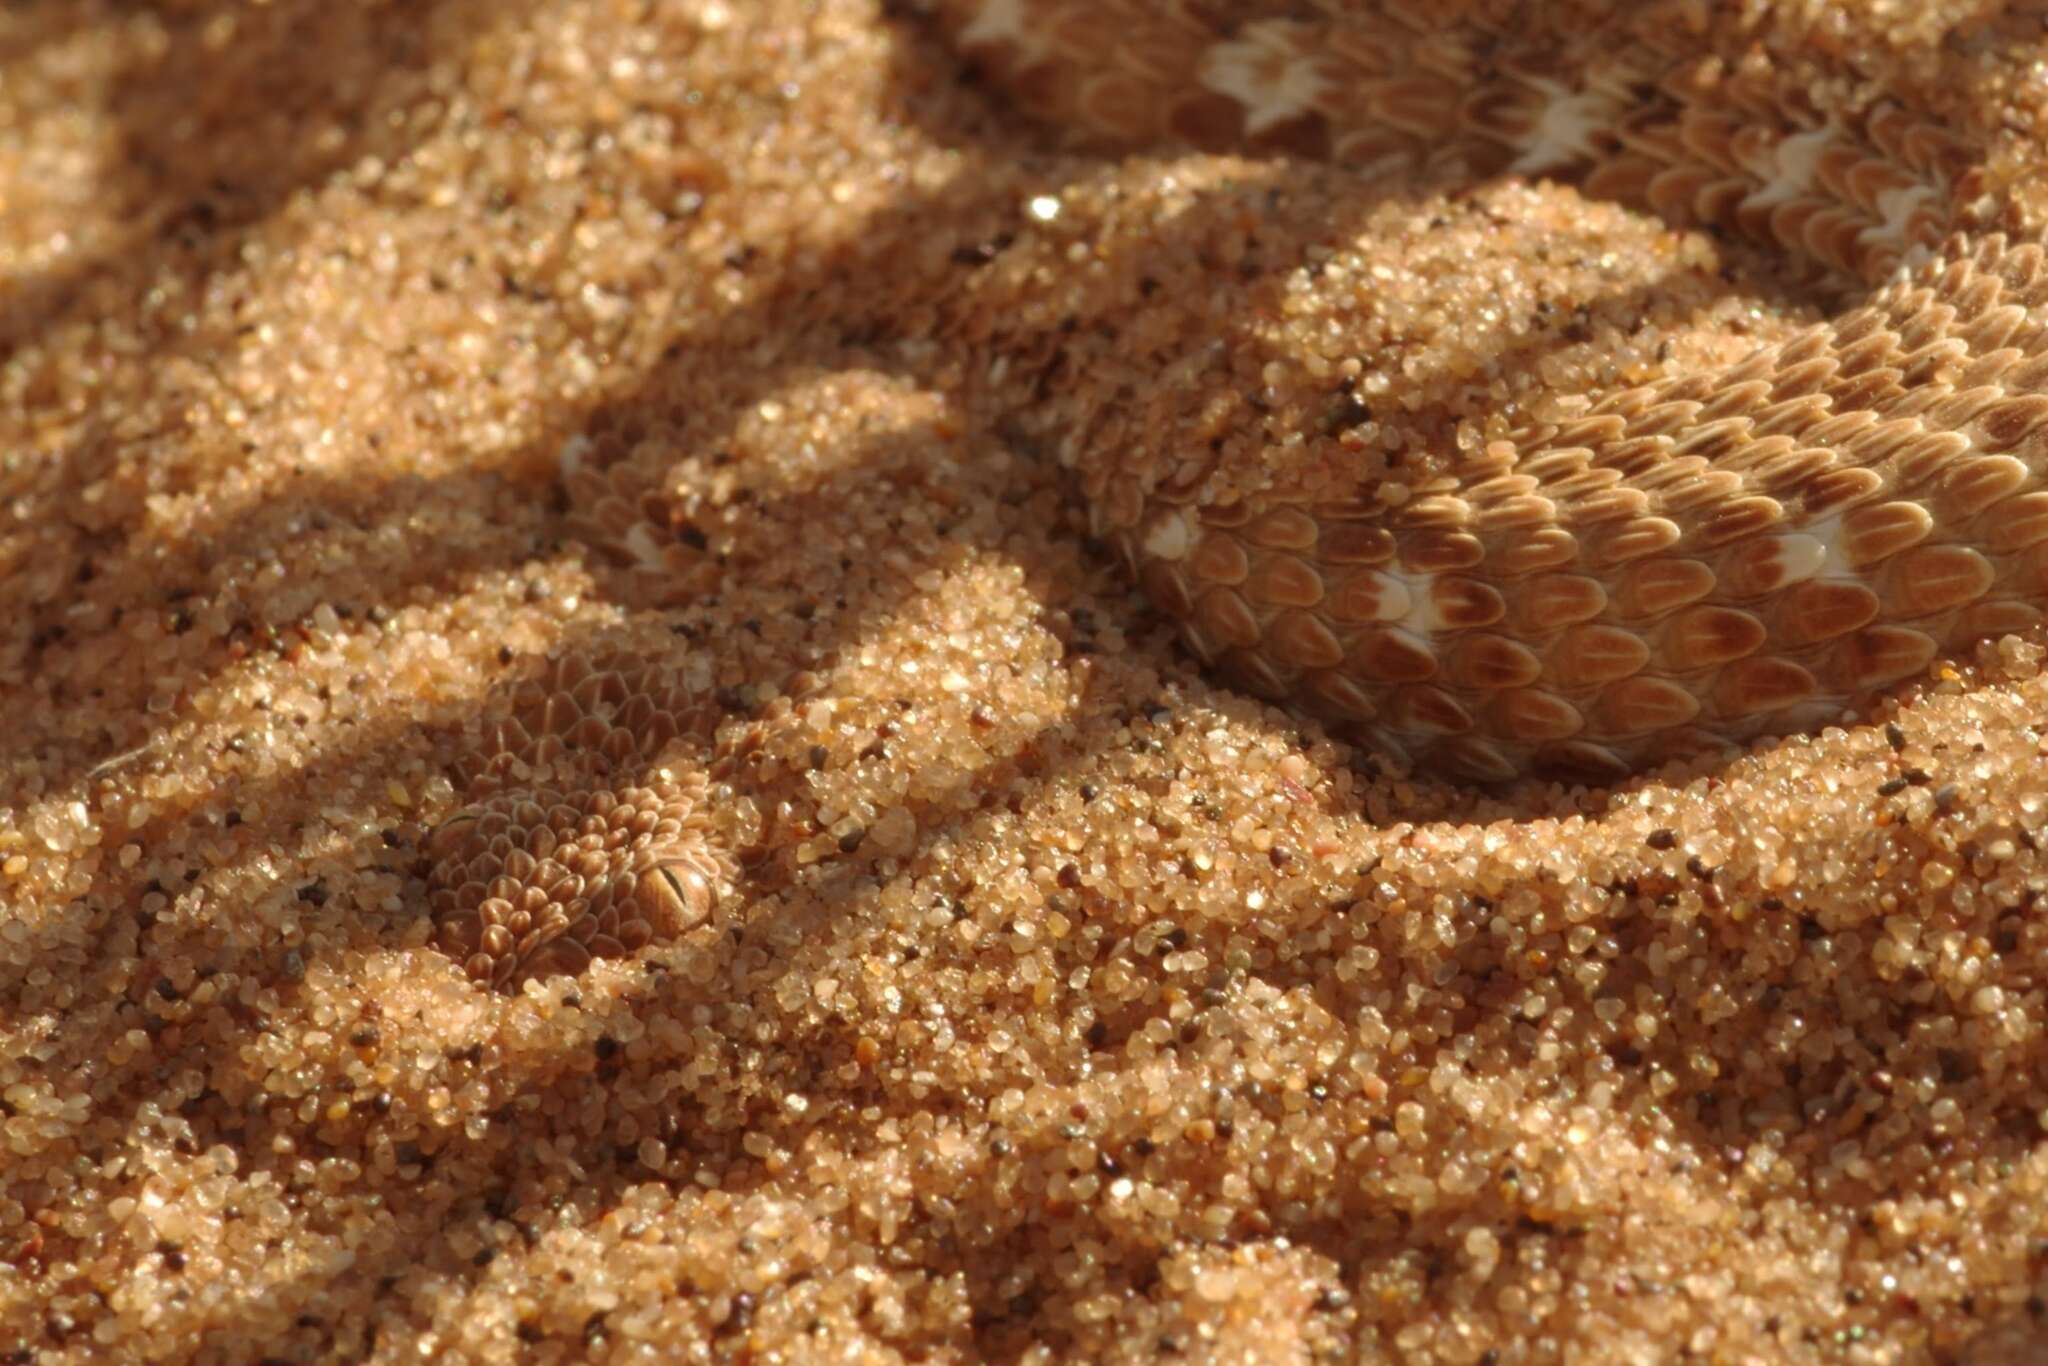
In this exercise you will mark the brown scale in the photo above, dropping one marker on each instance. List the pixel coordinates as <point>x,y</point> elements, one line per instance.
<point>578,843</point>
<point>1694,563</point>
<point>612,510</point>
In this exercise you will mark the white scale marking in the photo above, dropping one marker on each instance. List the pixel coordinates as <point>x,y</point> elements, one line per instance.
<point>1802,556</point>
<point>1262,72</point>
<point>1826,534</point>
<point>1895,209</point>
<point>997,22</point>
<point>1565,128</point>
<point>1792,173</point>
<point>1169,537</point>
<point>1415,609</point>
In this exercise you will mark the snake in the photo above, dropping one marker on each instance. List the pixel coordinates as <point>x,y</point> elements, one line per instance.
<point>1684,565</point>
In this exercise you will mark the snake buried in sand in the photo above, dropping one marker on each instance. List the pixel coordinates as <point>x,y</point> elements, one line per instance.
<point>1690,564</point>
<point>1687,564</point>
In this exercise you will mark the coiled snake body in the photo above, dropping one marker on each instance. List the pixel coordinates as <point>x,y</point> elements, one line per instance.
<point>1687,564</point>
<point>1693,563</point>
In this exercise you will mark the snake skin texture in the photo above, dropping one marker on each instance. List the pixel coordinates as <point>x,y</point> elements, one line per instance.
<point>1687,565</point>
<point>579,841</point>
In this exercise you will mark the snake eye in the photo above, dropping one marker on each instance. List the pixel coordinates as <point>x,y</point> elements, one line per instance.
<point>542,880</point>
<point>674,893</point>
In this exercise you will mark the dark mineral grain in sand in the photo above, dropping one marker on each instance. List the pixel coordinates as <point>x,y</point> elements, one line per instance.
<point>1039,997</point>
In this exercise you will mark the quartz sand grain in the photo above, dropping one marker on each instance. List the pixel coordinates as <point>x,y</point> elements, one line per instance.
<point>1057,1001</point>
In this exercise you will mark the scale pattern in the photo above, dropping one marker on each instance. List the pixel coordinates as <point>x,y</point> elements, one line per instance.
<point>1690,564</point>
<point>585,836</point>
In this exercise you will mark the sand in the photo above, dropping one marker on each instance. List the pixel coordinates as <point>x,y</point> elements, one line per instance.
<point>1064,1002</point>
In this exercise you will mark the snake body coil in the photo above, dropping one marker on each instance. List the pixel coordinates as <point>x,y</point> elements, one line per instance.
<point>1692,563</point>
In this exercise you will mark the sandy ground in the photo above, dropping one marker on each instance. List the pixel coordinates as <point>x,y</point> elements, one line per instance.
<point>1064,1002</point>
